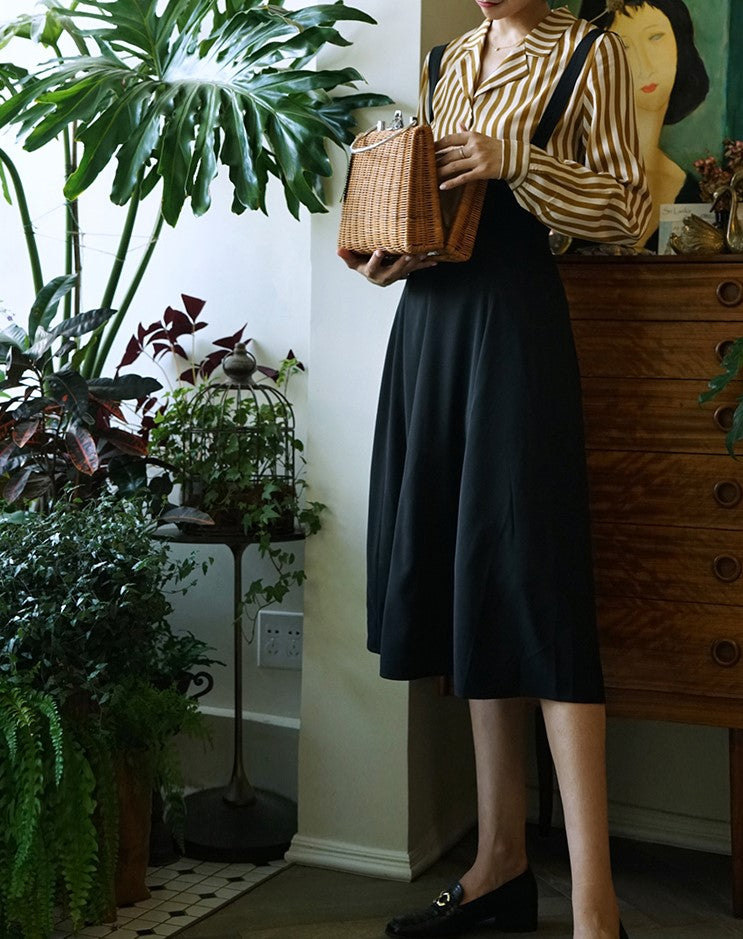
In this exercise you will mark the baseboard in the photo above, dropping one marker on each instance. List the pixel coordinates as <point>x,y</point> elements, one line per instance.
<point>659,827</point>
<point>655,826</point>
<point>352,858</point>
<point>360,859</point>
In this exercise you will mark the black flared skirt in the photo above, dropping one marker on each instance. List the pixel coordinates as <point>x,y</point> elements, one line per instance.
<point>479,557</point>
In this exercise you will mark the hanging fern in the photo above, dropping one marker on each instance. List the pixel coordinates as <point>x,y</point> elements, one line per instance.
<point>99,747</point>
<point>32,766</point>
<point>58,804</point>
<point>77,838</point>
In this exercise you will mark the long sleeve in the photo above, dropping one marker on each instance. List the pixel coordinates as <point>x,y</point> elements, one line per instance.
<point>604,196</point>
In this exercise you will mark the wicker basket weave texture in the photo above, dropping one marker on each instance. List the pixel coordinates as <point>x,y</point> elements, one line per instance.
<point>461,233</point>
<point>392,195</point>
<point>393,201</point>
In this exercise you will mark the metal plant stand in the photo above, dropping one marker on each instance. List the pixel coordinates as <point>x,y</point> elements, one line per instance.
<point>236,822</point>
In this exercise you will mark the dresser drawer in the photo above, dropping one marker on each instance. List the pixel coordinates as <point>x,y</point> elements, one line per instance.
<point>656,562</point>
<point>655,415</point>
<point>684,648</point>
<point>690,490</point>
<point>656,289</point>
<point>652,350</point>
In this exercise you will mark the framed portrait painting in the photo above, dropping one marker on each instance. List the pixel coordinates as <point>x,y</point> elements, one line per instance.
<point>685,57</point>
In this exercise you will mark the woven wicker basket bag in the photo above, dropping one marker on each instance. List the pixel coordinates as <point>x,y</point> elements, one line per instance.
<point>393,202</point>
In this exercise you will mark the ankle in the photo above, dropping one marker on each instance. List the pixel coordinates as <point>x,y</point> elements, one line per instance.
<point>597,918</point>
<point>490,872</point>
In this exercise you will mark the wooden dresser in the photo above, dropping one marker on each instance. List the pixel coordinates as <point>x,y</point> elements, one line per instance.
<point>667,499</point>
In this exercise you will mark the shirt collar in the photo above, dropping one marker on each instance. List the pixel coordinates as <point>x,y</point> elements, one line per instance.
<point>540,41</point>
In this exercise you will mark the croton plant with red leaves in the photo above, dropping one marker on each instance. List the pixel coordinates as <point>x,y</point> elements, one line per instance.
<point>60,433</point>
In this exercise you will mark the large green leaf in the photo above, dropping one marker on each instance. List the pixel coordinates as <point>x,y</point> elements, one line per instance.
<point>75,326</point>
<point>47,301</point>
<point>12,335</point>
<point>178,85</point>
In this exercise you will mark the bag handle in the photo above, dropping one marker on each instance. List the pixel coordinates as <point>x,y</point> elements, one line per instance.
<point>396,127</point>
<point>561,95</point>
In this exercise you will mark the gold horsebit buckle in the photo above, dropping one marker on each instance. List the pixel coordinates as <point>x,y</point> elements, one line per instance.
<point>444,899</point>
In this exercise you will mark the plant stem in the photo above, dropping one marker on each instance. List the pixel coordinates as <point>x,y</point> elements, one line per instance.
<point>73,258</point>
<point>91,357</point>
<point>115,323</point>
<point>28,228</point>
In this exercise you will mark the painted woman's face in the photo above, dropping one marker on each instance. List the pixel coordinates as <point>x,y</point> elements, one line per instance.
<point>652,52</point>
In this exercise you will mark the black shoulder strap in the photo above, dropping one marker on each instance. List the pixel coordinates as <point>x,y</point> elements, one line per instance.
<point>434,69</point>
<point>561,94</point>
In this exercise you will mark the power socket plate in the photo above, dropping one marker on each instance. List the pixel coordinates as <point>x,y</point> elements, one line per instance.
<point>279,639</point>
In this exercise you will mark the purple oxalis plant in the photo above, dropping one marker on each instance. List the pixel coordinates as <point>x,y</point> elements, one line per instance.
<point>175,334</point>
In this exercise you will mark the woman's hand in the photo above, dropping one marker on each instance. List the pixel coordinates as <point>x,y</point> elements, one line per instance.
<point>467,156</point>
<point>383,274</point>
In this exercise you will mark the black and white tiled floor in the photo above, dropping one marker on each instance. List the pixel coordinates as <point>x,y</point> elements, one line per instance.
<point>182,893</point>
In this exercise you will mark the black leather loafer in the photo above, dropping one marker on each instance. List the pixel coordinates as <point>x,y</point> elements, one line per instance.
<point>510,908</point>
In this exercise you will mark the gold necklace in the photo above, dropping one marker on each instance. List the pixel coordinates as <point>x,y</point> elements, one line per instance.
<point>512,46</point>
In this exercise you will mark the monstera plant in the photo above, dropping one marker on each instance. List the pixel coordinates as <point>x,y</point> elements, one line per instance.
<point>170,89</point>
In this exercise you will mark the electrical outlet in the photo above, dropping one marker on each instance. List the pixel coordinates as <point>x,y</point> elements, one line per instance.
<point>279,639</point>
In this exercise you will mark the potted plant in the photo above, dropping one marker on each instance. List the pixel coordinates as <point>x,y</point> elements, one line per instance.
<point>232,451</point>
<point>62,435</point>
<point>170,90</point>
<point>89,691</point>
<point>59,431</point>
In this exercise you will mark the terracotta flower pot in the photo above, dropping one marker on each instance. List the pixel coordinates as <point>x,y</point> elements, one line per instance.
<point>134,782</point>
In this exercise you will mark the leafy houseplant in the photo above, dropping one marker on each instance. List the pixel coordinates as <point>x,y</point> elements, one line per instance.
<point>171,89</point>
<point>233,451</point>
<point>89,669</point>
<point>58,431</point>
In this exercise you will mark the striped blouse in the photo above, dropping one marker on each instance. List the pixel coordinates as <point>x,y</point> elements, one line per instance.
<point>590,181</point>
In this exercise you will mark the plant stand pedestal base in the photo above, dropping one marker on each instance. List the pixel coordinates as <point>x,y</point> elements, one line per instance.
<point>217,830</point>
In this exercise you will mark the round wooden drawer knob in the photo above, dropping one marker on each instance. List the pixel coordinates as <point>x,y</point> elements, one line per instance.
<point>726,568</point>
<point>723,418</point>
<point>728,493</point>
<point>726,652</point>
<point>722,348</point>
<point>729,292</point>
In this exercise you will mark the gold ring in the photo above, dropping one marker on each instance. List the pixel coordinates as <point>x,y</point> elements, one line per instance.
<point>461,153</point>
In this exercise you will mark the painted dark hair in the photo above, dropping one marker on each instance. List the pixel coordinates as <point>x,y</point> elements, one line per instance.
<point>692,81</point>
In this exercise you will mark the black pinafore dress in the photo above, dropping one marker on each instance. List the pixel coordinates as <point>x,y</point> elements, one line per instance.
<point>479,555</point>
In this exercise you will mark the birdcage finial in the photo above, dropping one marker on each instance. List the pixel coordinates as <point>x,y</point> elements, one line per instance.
<point>240,365</point>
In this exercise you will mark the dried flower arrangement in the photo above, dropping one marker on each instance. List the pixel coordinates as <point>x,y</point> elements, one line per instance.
<point>716,176</point>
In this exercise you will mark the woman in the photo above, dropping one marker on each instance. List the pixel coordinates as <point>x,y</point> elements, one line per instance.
<point>670,83</point>
<point>479,562</point>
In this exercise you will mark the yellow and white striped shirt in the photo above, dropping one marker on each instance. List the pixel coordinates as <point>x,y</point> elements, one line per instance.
<point>590,181</point>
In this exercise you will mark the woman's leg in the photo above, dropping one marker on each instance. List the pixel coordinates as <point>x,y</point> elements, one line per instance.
<point>498,730</point>
<point>577,737</point>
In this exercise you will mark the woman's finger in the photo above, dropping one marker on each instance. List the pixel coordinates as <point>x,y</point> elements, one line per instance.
<point>352,260</point>
<point>452,140</point>
<point>379,269</point>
